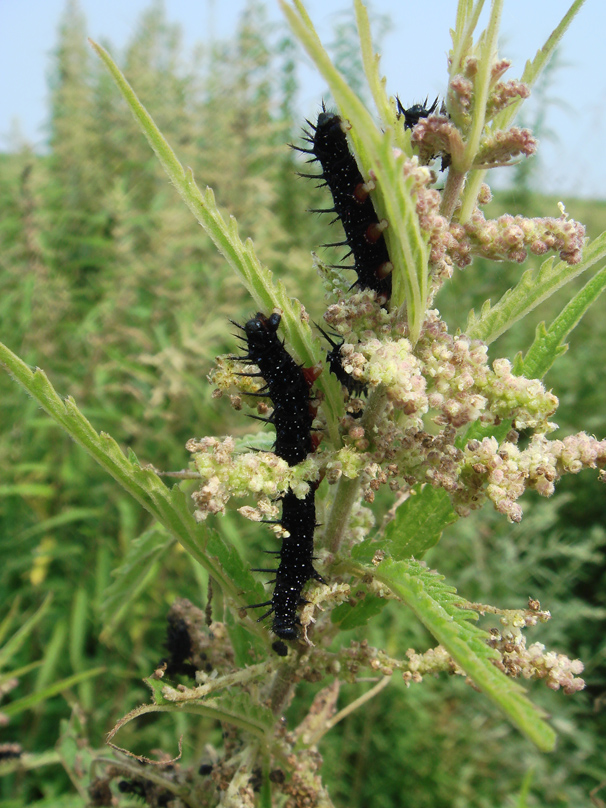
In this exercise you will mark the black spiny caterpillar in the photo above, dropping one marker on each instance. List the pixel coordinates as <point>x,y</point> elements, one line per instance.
<point>288,387</point>
<point>352,204</point>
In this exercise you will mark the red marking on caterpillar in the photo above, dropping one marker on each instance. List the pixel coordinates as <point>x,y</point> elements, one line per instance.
<point>288,387</point>
<point>352,204</point>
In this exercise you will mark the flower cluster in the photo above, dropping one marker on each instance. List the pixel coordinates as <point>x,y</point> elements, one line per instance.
<point>447,374</point>
<point>502,147</point>
<point>509,238</point>
<point>438,135</point>
<point>431,662</point>
<point>435,135</point>
<point>461,90</point>
<point>392,363</point>
<point>504,93</point>
<point>503,472</point>
<point>225,474</point>
<point>433,392</point>
<point>533,662</point>
<point>358,314</point>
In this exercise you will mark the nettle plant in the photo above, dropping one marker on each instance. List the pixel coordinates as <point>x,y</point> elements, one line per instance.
<point>438,426</point>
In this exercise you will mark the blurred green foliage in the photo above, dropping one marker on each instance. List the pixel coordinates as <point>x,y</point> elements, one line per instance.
<point>107,282</point>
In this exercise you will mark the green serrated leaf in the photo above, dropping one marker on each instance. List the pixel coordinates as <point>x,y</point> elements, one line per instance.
<point>77,757</point>
<point>371,61</point>
<point>548,342</point>
<point>133,457</point>
<point>168,506</point>
<point>232,563</point>
<point>417,526</point>
<point>257,279</point>
<point>248,647</point>
<point>348,616</point>
<point>241,706</point>
<point>419,523</point>
<point>157,686</point>
<point>437,606</point>
<point>535,286</point>
<point>248,587</point>
<point>479,431</point>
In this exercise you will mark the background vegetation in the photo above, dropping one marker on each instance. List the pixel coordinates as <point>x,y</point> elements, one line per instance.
<point>107,282</point>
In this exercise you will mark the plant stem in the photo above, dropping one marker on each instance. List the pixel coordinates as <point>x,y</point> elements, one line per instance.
<point>452,192</point>
<point>347,489</point>
<point>470,194</point>
<point>283,684</point>
<point>347,492</point>
<point>153,775</point>
<point>221,683</point>
<point>370,694</point>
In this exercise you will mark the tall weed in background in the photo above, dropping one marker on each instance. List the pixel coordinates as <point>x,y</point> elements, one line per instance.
<point>108,283</point>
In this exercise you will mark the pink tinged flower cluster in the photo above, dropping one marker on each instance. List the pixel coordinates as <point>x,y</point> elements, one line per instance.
<point>358,313</point>
<point>435,135</point>
<point>504,472</point>
<point>504,94</point>
<point>438,135</point>
<point>463,388</point>
<point>500,148</point>
<point>427,205</point>
<point>461,90</point>
<point>510,238</point>
<point>448,379</point>
<point>534,662</point>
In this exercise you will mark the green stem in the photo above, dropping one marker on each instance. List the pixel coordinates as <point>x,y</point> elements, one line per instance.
<point>482,84</point>
<point>351,707</point>
<point>347,493</point>
<point>470,194</point>
<point>229,680</point>
<point>347,489</point>
<point>284,682</point>
<point>452,192</point>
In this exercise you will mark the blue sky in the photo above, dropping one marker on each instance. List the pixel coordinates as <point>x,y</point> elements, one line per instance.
<point>414,61</point>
